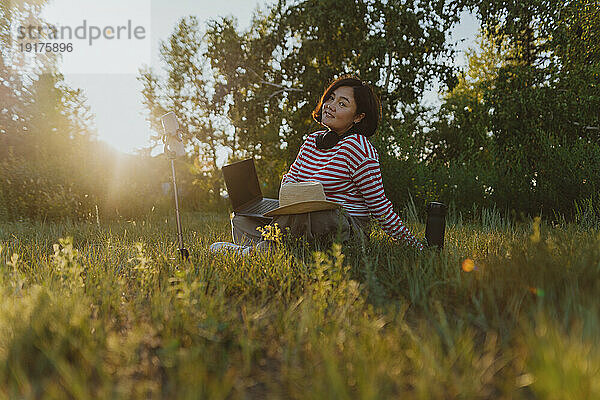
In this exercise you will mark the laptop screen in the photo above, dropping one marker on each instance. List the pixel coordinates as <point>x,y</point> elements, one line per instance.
<point>242,183</point>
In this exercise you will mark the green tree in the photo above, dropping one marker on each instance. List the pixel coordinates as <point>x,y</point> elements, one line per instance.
<point>188,87</point>
<point>528,124</point>
<point>265,81</point>
<point>461,130</point>
<point>460,143</point>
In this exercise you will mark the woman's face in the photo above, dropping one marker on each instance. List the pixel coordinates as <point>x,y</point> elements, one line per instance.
<point>339,110</point>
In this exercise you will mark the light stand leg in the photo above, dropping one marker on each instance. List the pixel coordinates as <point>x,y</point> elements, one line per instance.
<point>182,251</point>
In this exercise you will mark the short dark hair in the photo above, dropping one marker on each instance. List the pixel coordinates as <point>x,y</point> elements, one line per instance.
<point>366,100</point>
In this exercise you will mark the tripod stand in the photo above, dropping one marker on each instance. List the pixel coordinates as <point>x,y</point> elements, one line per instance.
<point>182,250</point>
<point>173,148</point>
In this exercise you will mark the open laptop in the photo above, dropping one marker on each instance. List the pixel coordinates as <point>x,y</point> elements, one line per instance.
<point>244,191</point>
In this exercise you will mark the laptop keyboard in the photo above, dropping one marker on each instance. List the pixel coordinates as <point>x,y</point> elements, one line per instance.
<point>263,206</point>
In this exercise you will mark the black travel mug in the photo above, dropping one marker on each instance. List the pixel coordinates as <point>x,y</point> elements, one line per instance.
<point>436,224</point>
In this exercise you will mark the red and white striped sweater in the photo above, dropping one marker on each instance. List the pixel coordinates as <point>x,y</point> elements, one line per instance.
<point>351,176</point>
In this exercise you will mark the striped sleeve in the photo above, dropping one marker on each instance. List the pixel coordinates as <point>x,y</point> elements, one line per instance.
<point>367,178</point>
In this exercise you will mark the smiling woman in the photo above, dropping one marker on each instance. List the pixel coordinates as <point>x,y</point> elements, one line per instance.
<point>339,110</point>
<point>343,162</point>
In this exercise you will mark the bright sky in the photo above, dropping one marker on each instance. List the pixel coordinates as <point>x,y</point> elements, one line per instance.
<point>107,69</point>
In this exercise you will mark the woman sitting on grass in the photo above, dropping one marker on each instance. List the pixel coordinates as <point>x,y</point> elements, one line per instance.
<point>343,161</point>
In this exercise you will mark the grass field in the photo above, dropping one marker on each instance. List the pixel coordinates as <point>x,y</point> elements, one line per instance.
<point>93,310</point>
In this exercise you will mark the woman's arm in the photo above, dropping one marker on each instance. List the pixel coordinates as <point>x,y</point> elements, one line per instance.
<point>367,178</point>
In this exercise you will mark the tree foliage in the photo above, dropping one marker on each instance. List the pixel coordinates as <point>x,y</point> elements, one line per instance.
<point>265,81</point>
<point>528,124</point>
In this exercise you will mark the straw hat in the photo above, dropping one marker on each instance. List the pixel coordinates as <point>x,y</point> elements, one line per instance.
<point>302,197</point>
